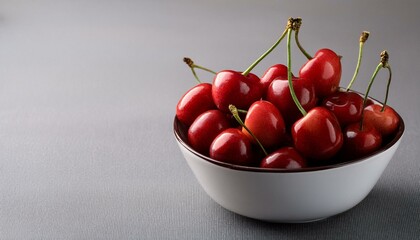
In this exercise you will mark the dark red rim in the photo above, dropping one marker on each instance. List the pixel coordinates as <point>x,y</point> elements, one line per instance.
<point>180,135</point>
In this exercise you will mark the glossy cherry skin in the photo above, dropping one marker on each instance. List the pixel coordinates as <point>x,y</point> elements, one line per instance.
<point>324,70</point>
<point>205,128</point>
<point>231,87</point>
<point>286,158</point>
<point>369,102</point>
<point>273,72</point>
<point>232,146</point>
<point>317,136</point>
<point>266,123</point>
<point>278,93</point>
<point>194,102</point>
<point>346,106</point>
<point>386,122</point>
<point>360,142</point>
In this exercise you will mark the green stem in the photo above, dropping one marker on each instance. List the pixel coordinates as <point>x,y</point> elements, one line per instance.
<point>363,38</point>
<point>367,92</point>
<point>296,28</point>
<point>249,69</point>
<point>192,66</point>
<point>289,75</point>
<point>387,86</point>
<point>203,68</point>
<point>383,64</point>
<point>235,114</point>
<point>195,75</point>
<point>242,111</point>
<point>309,57</point>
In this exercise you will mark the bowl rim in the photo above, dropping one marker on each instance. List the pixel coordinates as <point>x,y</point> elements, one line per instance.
<point>177,127</point>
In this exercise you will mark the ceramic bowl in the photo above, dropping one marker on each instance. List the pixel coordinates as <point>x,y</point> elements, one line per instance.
<point>279,195</point>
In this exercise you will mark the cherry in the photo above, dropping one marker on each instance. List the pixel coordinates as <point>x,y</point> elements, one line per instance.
<point>232,146</point>
<point>266,123</point>
<point>280,70</point>
<point>255,111</point>
<point>360,142</point>
<point>235,114</point>
<point>279,94</point>
<point>194,102</point>
<point>286,157</point>
<point>383,118</point>
<point>317,135</point>
<point>273,72</point>
<point>376,122</point>
<point>346,106</point>
<point>324,70</point>
<point>369,102</point>
<point>241,89</point>
<point>232,87</point>
<point>205,128</point>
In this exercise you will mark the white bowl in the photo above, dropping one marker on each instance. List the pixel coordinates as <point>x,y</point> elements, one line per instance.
<point>279,195</point>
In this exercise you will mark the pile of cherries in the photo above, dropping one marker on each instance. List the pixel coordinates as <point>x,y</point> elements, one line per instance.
<point>286,121</point>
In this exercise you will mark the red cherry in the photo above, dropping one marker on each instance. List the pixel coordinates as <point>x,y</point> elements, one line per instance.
<point>286,157</point>
<point>317,135</point>
<point>205,128</point>
<point>386,122</point>
<point>241,89</point>
<point>369,102</point>
<point>360,142</point>
<point>194,102</point>
<point>231,87</point>
<point>232,146</point>
<point>382,117</point>
<point>346,106</point>
<point>254,78</point>
<point>273,72</point>
<point>324,70</point>
<point>276,70</point>
<point>279,94</point>
<point>266,123</point>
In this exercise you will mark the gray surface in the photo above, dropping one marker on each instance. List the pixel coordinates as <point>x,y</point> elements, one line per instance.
<point>87,97</point>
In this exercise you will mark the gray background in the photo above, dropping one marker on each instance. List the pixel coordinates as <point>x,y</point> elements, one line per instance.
<point>88,91</point>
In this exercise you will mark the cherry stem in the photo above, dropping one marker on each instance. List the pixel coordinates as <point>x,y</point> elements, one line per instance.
<point>242,111</point>
<point>289,75</point>
<point>296,27</point>
<point>235,114</point>
<point>382,64</point>
<point>367,93</point>
<point>249,69</point>
<point>192,65</point>
<point>387,86</point>
<point>363,38</point>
